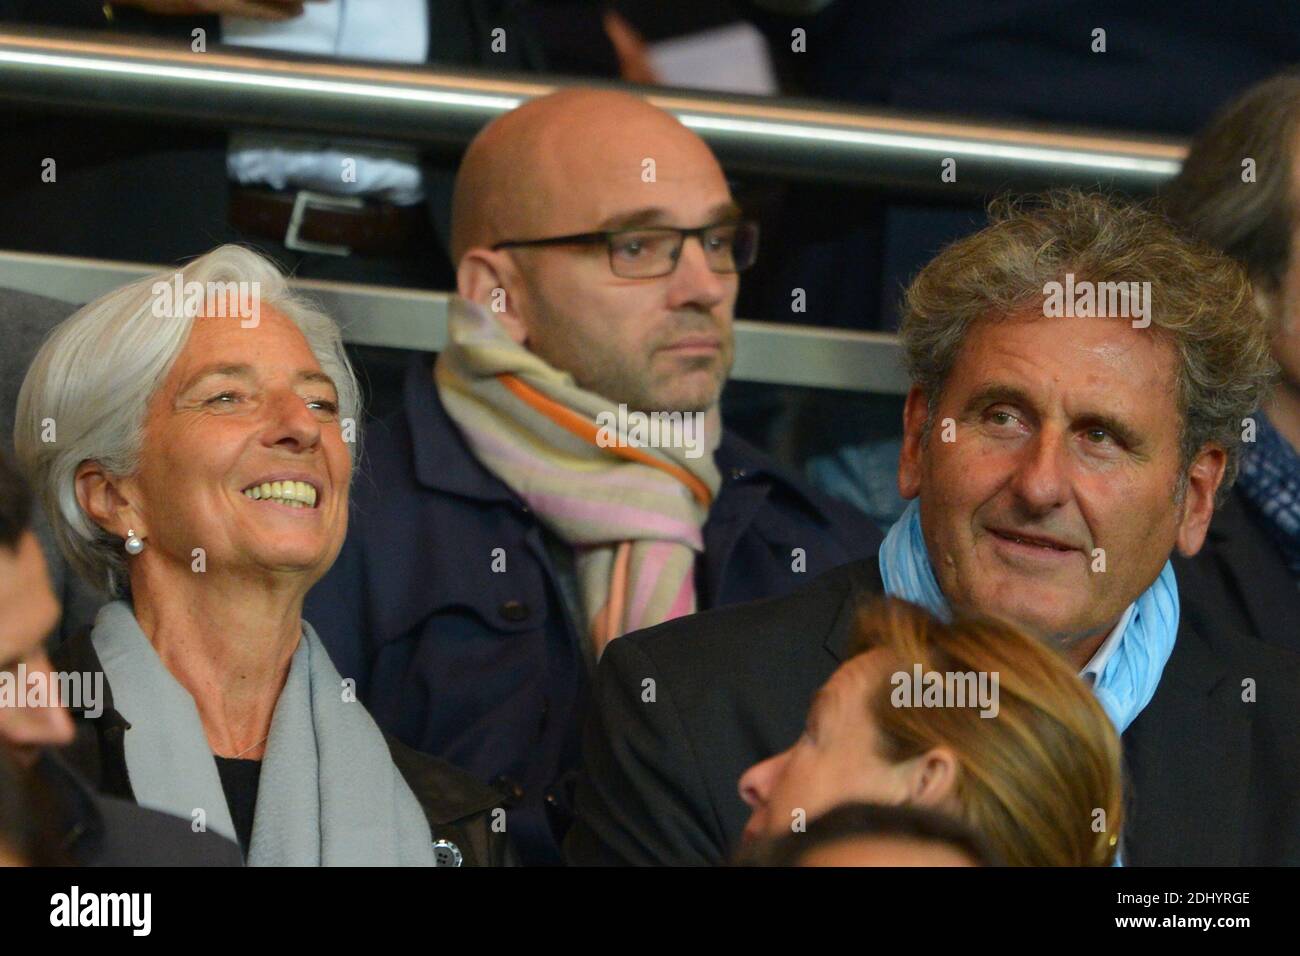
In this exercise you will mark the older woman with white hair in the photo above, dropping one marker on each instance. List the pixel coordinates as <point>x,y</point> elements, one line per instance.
<point>190,437</point>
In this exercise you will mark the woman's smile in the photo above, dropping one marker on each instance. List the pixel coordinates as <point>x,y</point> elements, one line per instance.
<point>289,493</point>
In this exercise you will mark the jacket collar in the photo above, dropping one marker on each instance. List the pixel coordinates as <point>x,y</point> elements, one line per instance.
<point>858,583</point>
<point>78,654</point>
<point>444,461</point>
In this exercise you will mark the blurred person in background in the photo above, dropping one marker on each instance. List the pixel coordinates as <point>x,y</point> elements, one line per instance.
<point>323,207</point>
<point>1026,756</point>
<point>200,472</point>
<point>26,838</point>
<point>1239,191</point>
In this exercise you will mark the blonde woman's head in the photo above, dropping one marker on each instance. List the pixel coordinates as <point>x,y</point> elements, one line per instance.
<point>973,718</point>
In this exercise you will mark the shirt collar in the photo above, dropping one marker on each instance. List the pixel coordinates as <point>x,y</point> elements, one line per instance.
<point>1092,670</point>
<point>442,458</point>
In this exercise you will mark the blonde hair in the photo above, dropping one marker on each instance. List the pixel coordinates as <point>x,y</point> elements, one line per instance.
<point>1041,779</point>
<point>1201,301</point>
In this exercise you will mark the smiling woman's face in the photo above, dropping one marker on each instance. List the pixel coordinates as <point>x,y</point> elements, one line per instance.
<point>244,409</point>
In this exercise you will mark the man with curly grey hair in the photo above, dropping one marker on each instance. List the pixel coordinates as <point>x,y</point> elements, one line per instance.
<point>1080,373</point>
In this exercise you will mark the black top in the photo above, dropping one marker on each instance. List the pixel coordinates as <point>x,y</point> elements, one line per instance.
<point>239,779</point>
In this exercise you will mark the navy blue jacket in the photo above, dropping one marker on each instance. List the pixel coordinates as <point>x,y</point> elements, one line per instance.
<point>484,668</point>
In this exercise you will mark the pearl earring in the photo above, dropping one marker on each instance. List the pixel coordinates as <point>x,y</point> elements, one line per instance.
<point>134,545</point>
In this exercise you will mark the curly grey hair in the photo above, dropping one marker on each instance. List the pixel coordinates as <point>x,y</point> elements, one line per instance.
<point>1201,301</point>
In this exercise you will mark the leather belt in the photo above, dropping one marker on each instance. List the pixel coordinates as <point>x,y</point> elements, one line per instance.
<point>308,221</point>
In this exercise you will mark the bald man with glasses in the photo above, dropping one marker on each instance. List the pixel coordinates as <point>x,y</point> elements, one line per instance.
<point>560,476</point>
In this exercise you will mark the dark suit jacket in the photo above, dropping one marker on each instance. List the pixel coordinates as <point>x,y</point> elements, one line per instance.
<point>1238,582</point>
<point>96,830</point>
<point>1214,780</point>
<point>486,669</point>
<point>457,807</point>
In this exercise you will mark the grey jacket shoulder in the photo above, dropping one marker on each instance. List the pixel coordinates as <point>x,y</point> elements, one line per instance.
<point>27,321</point>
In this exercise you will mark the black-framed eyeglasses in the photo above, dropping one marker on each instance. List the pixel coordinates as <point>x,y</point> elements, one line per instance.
<point>653,251</point>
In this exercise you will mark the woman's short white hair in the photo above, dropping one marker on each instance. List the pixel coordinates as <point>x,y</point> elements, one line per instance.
<point>87,392</point>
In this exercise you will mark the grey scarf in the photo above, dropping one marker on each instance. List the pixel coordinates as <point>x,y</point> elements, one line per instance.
<point>329,794</point>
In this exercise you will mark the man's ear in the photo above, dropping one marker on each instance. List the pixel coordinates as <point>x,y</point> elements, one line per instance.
<point>909,460</point>
<point>489,279</point>
<point>105,499</point>
<point>1203,479</point>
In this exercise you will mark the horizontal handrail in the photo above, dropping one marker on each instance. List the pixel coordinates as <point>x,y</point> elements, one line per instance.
<point>802,140</point>
<point>414,319</point>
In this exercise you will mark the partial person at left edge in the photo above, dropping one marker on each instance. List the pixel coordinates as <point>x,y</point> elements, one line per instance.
<point>198,465</point>
<point>64,821</point>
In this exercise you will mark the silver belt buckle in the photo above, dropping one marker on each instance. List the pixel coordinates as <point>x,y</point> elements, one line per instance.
<point>306,198</point>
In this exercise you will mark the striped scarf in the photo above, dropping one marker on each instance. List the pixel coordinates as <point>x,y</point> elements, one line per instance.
<point>634,516</point>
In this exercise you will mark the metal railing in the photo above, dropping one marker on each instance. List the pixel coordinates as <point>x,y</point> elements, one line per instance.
<point>803,140</point>
<point>412,319</point>
<point>809,141</point>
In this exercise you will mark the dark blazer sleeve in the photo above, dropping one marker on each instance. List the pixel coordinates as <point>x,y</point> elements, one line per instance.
<point>135,836</point>
<point>642,799</point>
